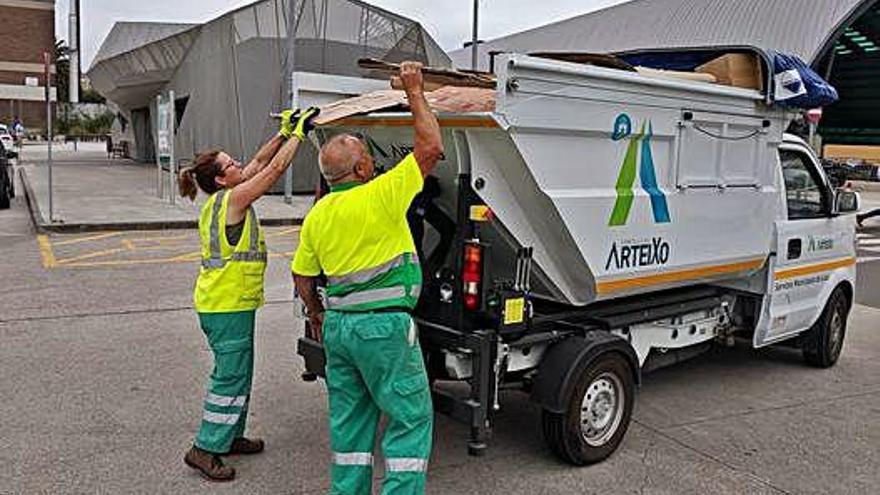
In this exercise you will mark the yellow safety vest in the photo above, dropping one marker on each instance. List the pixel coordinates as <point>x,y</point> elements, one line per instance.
<point>231,277</point>
<point>359,238</point>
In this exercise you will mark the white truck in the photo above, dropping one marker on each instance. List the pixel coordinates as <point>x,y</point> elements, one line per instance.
<point>608,223</point>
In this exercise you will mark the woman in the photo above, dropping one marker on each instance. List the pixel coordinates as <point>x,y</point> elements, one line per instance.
<point>230,285</point>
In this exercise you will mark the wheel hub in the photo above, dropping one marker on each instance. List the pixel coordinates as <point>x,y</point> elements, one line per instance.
<point>601,409</point>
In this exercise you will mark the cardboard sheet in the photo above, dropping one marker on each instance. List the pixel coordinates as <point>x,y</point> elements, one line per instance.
<point>448,99</point>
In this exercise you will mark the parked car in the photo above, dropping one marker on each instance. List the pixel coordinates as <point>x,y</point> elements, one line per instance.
<point>7,141</point>
<point>7,188</point>
<point>841,171</point>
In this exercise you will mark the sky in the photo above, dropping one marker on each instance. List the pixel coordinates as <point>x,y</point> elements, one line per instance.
<point>448,21</point>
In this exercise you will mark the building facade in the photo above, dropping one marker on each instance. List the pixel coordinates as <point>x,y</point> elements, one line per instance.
<point>27,30</point>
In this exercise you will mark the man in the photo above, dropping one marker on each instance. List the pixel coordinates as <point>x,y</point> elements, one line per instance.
<point>359,238</point>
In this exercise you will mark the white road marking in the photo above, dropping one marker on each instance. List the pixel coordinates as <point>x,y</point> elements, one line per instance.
<point>868,259</point>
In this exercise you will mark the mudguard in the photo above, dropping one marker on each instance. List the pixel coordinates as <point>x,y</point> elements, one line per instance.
<point>567,359</point>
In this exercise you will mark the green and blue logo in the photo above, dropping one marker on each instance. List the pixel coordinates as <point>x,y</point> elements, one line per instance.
<point>638,151</point>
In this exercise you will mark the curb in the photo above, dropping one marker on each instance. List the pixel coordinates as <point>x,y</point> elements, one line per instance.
<point>31,200</point>
<point>61,228</point>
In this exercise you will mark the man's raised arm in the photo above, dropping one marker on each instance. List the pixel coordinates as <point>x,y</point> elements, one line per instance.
<point>428,143</point>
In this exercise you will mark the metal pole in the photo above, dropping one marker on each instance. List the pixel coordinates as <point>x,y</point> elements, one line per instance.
<point>158,154</point>
<point>474,37</point>
<point>47,59</point>
<point>288,174</point>
<point>172,171</point>
<point>73,52</point>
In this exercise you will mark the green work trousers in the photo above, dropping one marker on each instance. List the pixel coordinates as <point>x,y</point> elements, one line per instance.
<point>375,366</point>
<point>231,338</point>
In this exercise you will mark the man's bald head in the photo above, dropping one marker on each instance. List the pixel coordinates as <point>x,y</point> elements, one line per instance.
<point>340,155</point>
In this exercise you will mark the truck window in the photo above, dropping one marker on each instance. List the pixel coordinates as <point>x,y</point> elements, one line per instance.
<point>804,193</point>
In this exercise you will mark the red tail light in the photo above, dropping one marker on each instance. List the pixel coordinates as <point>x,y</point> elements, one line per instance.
<point>472,275</point>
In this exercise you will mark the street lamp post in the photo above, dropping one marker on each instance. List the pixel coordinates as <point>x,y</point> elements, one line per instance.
<point>474,37</point>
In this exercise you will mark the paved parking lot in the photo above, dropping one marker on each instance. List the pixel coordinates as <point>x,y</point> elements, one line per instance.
<point>104,368</point>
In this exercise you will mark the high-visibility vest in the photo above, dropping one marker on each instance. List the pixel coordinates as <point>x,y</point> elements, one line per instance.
<point>231,277</point>
<point>395,283</point>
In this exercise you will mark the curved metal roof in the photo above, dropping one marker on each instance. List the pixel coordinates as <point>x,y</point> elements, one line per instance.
<point>127,36</point>
<point>804,28</point>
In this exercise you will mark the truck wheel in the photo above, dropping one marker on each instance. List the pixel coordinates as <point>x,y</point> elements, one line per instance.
<point>823,342</point>
<point>597,415</point>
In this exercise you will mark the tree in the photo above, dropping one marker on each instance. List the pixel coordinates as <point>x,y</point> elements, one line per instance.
<point>61,57</point>
<point>89,95</point>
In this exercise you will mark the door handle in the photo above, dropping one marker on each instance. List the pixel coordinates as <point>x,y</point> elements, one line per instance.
<point>794,249</point>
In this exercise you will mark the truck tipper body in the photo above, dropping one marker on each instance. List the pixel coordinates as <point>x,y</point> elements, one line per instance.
<point>598,223</point>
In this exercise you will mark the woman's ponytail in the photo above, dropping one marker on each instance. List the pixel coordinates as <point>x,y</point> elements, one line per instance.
<point>187,184</point>
<point>200,176</point>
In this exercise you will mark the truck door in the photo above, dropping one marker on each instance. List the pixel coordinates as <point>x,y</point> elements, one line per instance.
<point>811,243</point>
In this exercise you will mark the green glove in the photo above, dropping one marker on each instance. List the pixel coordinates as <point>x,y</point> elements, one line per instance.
<point>304,123</point>
<point>287,126</point>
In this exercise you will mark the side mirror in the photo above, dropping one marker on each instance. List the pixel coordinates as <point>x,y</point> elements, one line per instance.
<point>846,201</point>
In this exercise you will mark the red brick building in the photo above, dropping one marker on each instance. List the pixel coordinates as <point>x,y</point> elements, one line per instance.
<point>27,29</point>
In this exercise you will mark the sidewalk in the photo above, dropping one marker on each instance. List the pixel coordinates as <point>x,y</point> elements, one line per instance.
<point>92,193</point>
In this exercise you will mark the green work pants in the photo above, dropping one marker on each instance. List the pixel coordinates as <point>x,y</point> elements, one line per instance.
<point>374,366</point>
<point>231,338</point>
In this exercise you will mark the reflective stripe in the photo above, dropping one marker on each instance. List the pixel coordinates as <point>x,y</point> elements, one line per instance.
<point>213,263</point>
<point>216,260</point>
<point>364,276</point>
<point>249,256</point>
<point>353,458</point>
<point>220,263</point>
<point>368,296</point>
<point>219,418</point>
<point>215,225</point>
<point>254,231</point>
<point>226,401</point>
<point>406,464</point>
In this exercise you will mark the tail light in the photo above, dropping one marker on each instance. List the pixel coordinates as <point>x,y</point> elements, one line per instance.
<point>472,274</point>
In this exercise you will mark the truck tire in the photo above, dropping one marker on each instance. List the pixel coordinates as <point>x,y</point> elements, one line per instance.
<point>823,342</point>
<point>598,412</point>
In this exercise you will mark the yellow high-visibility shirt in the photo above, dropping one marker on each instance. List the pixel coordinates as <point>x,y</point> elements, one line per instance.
<point>359,227</point>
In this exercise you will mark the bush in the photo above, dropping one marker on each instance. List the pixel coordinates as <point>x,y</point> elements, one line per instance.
<point>77,126</point>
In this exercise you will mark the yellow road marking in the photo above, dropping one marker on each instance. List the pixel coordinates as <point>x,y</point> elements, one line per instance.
<point>186,257</point>
<point>800,271</point>
<point>88,256</point>
<point>131,245</point>
<point>87,238</point>
<point>677,276</point>
<point>46,252</point>
<point>283,232</point>
<point>159,239</point>
<point>124,263</point>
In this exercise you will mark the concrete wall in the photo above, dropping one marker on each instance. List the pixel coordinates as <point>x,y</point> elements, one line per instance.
<point>27,29</point>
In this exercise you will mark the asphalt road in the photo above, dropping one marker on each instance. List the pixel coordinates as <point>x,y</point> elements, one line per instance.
<point>103,367</point>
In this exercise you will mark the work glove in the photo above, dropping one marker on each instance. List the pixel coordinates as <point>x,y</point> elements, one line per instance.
<point>304,123</point>
<point>286,129</point>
